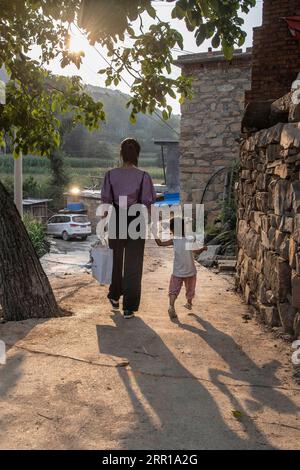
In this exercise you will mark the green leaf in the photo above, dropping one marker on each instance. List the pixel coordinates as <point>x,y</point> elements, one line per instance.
<point>165,115</point>
<point>228,50</point>
<point>204,7</point>
<point>132,118</point>
<point>237,414</point>
<point>151,11</point>
<point>201,35</point>
<point>216,40</point>
<point>53,106</point>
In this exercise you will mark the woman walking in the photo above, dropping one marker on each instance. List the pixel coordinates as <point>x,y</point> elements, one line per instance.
<point>136,186</point>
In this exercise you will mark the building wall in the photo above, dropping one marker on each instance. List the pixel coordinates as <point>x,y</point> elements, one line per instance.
<point>210,123</point>
<point>91,205</point>
<point>269,225</point>
<point>276,55</point>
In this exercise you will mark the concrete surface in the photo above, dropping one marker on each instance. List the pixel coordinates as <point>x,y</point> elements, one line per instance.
<point>67,257</point>
<point>96,381</point>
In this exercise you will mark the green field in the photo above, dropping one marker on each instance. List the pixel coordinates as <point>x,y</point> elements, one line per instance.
<point>78,169</point>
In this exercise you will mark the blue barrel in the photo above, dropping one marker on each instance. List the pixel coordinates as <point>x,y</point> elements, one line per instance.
<point>75,206</point>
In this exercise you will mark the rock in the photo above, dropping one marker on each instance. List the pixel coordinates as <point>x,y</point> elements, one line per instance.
<point>296,197</point>
<point>296,291</point>
<point>272,152</point>
<point>261,291</point>
<point>290,136</point>
<point>262,201</point>
<point>247,294</point>
<point>284,249</point>
<point>297,222</point>
<point>271,299</point>
<point>226,266</point>
<point>282,170</point>
<point>287,315</point>
<point>296,325</point>
<point>208,258</point>
<point>280,278</point>
<point>293,247</point>
<point>286,224</point>
<point>270,315</point>
<point>282,198</point>
<point>297,264</point>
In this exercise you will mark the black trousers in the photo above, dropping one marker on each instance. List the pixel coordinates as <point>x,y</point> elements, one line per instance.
<point>128,258</point>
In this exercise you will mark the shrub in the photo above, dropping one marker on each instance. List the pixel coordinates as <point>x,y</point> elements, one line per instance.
<point>37,235</point>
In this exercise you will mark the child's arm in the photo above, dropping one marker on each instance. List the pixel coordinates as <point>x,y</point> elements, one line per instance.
<point>165,243</point>
<point>198,252</point>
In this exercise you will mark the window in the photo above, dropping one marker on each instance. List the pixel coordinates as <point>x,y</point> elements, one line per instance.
<point>80,219</point>
<point>60,220</point>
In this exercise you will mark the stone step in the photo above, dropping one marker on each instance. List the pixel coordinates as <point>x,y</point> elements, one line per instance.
<point>226,265</point>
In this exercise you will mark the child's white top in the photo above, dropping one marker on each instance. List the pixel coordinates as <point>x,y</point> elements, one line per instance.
<point>184,263</point>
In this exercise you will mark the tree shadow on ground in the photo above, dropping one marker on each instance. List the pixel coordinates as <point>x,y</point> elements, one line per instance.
<point>261,380</point>
<point>172,408</point>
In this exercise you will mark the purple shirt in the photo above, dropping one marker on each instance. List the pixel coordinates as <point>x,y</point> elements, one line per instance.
<point>131,182</point>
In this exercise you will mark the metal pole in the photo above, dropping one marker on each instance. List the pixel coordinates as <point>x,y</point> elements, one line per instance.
<point>18,183</point>
<point>163,162</point>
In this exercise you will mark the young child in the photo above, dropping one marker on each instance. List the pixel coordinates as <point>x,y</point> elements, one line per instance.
<point>184,269</point>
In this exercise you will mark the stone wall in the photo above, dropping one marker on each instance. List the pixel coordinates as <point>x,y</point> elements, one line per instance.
<point>211,123</point>
<point>269,225</point>
<point>276,54</point>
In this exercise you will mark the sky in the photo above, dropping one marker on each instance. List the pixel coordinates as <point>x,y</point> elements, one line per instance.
<point>92,61</point>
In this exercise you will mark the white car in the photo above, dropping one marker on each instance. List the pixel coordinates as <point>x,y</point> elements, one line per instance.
<point>69,226</point>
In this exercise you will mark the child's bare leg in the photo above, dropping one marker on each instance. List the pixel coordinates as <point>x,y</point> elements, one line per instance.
<point>190,285</point>
<point>172,300</point>
<point>189,304</point>
<point>171,311</point>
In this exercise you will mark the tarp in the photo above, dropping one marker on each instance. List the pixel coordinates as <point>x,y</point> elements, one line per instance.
<point>294,26</point>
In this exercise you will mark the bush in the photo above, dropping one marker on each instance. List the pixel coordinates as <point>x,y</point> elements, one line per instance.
<point>223,231</point>
<point>8,183</point>
<point>37,235</point>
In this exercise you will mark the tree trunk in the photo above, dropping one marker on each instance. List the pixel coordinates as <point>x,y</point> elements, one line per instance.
<point>25,291</point>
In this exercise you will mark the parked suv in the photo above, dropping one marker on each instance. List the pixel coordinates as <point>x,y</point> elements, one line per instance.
<point>69,226</point>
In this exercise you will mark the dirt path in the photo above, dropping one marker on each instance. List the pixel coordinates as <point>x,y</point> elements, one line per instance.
<point>95,381</point>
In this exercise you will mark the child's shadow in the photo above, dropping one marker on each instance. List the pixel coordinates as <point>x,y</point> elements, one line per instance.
<point>261,379</point>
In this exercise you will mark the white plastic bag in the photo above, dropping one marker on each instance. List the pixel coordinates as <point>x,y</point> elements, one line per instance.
<point>102,263</point>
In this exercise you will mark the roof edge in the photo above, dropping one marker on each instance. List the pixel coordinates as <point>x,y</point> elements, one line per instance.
<point>210,56</point>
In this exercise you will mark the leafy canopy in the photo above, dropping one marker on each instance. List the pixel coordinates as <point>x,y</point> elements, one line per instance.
<point>35,97</point>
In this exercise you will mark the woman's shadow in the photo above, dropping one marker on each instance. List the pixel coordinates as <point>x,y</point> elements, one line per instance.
<point>175,410</point>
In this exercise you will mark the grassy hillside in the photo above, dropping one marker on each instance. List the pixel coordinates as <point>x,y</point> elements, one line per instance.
<point>90,154</point>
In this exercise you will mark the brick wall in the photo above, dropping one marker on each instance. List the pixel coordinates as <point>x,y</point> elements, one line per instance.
<point>276,55</point>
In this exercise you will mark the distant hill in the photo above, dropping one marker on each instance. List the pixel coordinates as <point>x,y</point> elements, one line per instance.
<point>104,143</point>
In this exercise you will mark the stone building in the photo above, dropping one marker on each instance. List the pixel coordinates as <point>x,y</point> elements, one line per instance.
<point>90,199</point>
<point>211,123</point>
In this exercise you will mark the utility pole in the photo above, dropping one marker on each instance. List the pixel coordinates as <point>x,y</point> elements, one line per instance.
<point>18,183</point>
